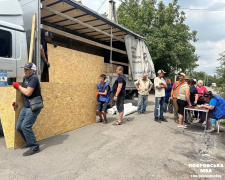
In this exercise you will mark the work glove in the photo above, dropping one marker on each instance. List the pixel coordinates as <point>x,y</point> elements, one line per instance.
<point>16,85</point>
<point>14,105</point>
<point>47,64</point>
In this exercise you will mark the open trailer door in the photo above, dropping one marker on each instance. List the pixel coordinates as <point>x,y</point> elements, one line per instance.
<point>139,58</point>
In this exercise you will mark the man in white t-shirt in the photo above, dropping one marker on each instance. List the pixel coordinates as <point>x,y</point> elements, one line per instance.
<point>160,86</point>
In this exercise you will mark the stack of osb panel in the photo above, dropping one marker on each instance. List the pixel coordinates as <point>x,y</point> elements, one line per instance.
<point>66,107</point>
<point>69,98</point>
<point>69,66</point>
<point>107,68</point>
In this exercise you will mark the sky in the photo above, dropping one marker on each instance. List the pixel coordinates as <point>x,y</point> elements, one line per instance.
<point>209,24</point>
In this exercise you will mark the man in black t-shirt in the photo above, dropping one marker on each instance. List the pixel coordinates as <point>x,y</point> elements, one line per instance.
<point>44,54</point>
<point>120,93</point>
<point>30,89</point>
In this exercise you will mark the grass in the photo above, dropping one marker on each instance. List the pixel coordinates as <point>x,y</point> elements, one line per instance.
<point>222,123</point>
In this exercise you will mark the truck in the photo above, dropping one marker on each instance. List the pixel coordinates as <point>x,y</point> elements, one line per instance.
<point>73,26</point>
<point>213,85</point>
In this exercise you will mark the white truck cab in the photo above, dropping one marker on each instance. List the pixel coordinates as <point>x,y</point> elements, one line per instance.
<point>13,50</point>
<point>13,43</point>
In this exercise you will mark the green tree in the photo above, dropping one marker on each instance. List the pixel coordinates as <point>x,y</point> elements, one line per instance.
<point>168,38</point>
<point>207,79</point>
<point>221,70</point>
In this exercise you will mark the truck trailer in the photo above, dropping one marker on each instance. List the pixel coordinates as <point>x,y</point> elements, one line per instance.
<point>73,26</point>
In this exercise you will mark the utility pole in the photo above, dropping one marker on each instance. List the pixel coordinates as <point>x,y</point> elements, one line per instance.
<point>112,14</point>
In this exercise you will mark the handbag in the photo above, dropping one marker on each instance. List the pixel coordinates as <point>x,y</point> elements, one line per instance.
<point>170,107</point>
<point>36,103</point>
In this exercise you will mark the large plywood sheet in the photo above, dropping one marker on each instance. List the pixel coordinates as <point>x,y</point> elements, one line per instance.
<point>73,66</point>
<point>66,107</point>
<point>69,97</point>
<point>7,113</point>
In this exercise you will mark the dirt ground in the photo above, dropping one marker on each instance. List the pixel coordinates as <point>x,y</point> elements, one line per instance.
<point>139,149</point>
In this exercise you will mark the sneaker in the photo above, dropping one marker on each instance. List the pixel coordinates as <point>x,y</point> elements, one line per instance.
<point>138,113</point>
<point>163,119</point>
<point>209,130</point>
<point>158,120</point>
<point>31,152</point>
<point>143,113</point>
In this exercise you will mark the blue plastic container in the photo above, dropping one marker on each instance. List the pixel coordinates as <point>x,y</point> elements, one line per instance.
<point>213,121</point>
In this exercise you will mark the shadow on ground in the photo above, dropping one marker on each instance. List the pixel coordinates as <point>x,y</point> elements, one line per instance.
<point>54,141</point>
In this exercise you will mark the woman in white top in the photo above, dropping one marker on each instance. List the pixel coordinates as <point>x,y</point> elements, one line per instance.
<point>183,100</point>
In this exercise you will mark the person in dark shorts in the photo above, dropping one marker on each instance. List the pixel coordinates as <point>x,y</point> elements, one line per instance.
<point>120,93</point>
<point>183,100</point>
<point>30,88</point>
<point>103,98</point>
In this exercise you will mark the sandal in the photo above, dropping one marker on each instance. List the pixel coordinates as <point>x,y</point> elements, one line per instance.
<point>105,121</point>
<point>118,123</point>
<point>100,120</point>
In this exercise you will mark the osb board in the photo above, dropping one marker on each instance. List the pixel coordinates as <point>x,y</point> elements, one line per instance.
<point>7,113</point>
<point>72,66</point>
<point>66,107</point>
<point>107,68</point>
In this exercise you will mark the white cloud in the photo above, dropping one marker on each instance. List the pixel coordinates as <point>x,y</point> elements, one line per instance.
<point>209,53</point>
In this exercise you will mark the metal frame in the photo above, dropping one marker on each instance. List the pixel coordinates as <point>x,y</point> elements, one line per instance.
<point>71,31</point>
<point>78,38</point>
<point>98,16</point>
<point>77,21</point>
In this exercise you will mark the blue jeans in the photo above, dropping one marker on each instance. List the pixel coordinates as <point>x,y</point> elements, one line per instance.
<point>142,102</point>
<point>159,101</point>
<point>24,125</point>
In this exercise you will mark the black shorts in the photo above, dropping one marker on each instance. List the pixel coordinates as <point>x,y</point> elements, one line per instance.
<point>102,106</point>
<point>181,105</point>
<point>119,103</point>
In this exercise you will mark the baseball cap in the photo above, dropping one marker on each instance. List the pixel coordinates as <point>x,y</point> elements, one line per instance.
<point>48,34</point>
<point>182,74</point>
<point>30,66</point>
<point>161,71</point>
